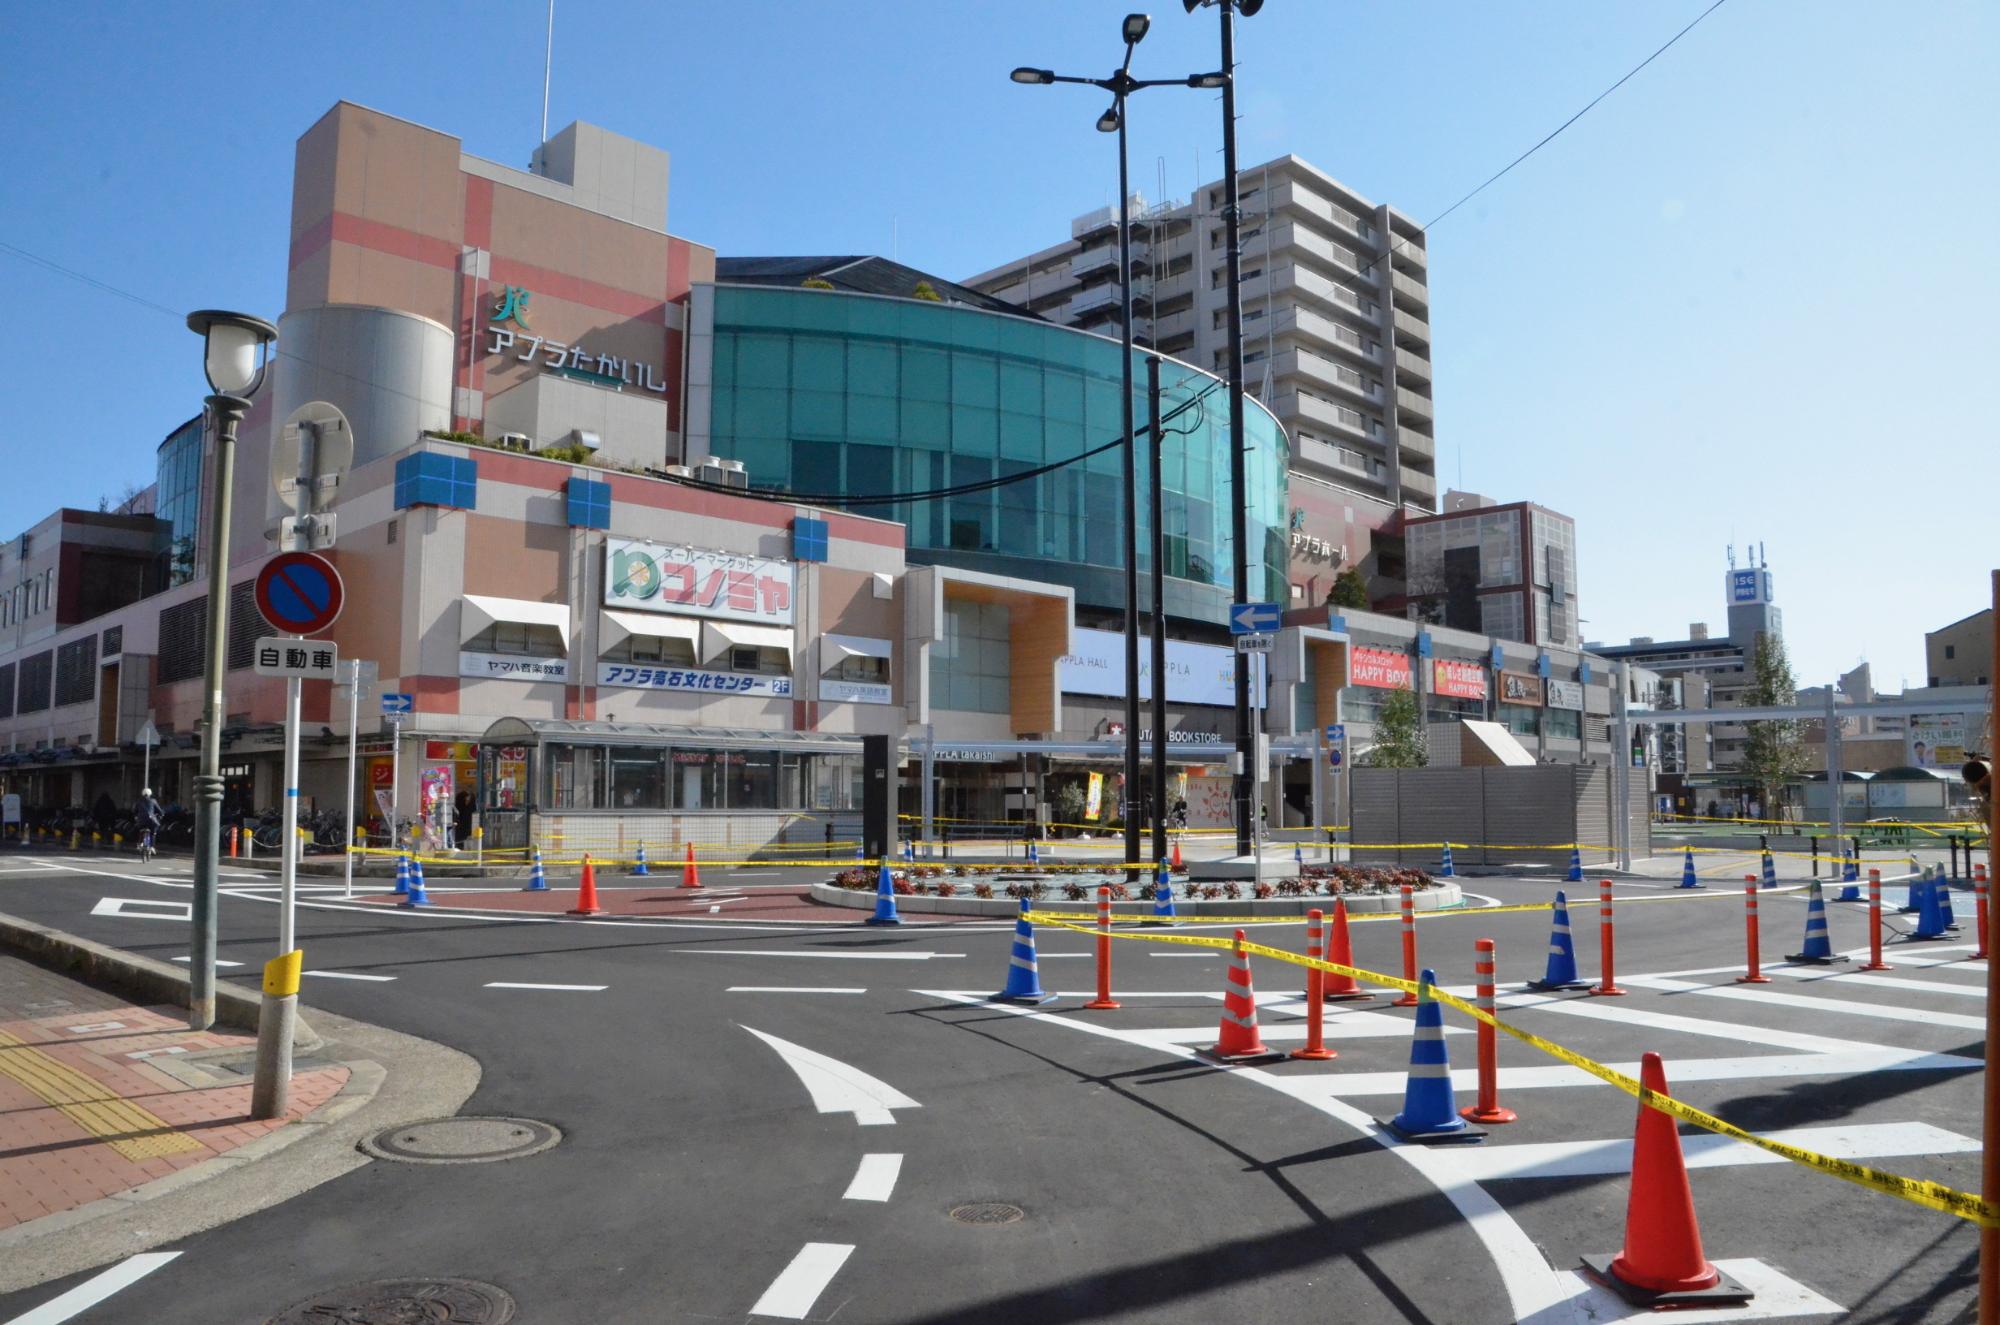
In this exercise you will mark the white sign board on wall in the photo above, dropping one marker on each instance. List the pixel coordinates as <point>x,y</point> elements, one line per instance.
<point>1196,673</point>
<point>697,582</point>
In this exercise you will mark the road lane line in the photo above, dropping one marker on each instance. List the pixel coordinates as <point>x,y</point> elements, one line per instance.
<point>1581,1159</point>
<point>218,961</point>
<point>792,1294</point>
<point>95,1289</point>
<point>836,1087</point>
<point>844,956</point>
<point>115,906</point>
<point>1852,1007</point>
<point>792,989</point>
<point>351,975</point>
<point>875,1179</point>
<point>571,989</point>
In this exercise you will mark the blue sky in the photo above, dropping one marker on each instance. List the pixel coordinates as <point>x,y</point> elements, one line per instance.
<point>1746,298</point>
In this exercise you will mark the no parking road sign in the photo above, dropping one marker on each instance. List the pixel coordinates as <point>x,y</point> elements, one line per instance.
<point>299,593</point>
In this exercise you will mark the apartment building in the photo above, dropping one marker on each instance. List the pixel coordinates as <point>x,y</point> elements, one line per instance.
<point>1336,313</point>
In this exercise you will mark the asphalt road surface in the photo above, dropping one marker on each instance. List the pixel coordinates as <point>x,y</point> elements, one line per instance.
<point>776,1120</point>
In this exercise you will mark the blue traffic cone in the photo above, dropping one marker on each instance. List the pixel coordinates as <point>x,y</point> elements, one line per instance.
<point>885,899</point>
<point>417,897</point>
<point>1445,870</point>
<point>1770,871</point>
<point>1930,918</point>
<point>1428,1112</point>
<point>1163,894</point>
<point>402,875</point>
<point>1818,948</point>
<point>1034,855</point>
<point>1942,882</point>
<point>1561,973</point>
<point>1688,880</point>
<point>1850,881</point>
<point>1919,881</point>
<point>1299,857</point>
<point>1024,977</point>
<point>1575,865</point>
<point>537,881</point>
<point>639,870</point>
<point>857,852</point>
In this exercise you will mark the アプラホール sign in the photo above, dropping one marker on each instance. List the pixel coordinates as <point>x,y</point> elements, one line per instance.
<point>699,582</point>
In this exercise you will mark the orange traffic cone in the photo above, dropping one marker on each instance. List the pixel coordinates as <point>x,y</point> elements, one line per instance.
<point>1662,1264</point>
<point>1175,861</point>
<point>586,893</point>
<point>1340,988</point>
<point>690,876</point>
<point>1238,1040</point>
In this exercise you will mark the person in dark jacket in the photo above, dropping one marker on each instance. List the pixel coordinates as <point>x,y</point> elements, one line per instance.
<point>461,819</point>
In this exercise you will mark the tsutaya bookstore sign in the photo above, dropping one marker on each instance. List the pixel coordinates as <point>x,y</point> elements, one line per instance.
<point>507,325</point>
<point>1196,673</point>
<point>692,581</point>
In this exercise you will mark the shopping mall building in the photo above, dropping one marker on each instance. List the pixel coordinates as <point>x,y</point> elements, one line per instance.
<point>653,540</point>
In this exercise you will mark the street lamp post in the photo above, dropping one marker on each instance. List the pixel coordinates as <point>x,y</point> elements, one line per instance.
<point>1121,85</point>
<point>235,355</point>
<point>1239,521</point>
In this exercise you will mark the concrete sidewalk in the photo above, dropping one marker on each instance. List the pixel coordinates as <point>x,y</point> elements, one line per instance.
<point>121,1129</point>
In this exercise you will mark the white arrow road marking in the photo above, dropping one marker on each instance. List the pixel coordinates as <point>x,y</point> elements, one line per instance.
<point>792,1294</point>
<point>1705,1150</point>
<point>875,1179</point>
<point>837,1088</point>
<point>120,907</point>
<point>845,956</point>
<point>95,1289</point>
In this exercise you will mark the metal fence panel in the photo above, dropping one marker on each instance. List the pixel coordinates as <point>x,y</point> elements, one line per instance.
<point>1529,807</point>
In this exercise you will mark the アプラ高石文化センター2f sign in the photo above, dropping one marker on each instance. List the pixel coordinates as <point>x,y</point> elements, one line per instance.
<point>689,678</point>
<point>692,581</point>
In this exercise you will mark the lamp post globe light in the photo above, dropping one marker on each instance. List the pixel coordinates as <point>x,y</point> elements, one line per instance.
<point>1121,85</point>
<point>235,354</point>
<point>1246,739</point>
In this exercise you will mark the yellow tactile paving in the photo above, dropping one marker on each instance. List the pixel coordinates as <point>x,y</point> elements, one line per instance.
<point>124,1126</point>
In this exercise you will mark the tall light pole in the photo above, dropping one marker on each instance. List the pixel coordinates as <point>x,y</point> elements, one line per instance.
<point>235,353</point>
<point>1121,85</point>
<point>1239,520</point>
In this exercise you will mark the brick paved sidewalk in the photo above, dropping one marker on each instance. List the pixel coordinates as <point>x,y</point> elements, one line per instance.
<point>99,1096</point>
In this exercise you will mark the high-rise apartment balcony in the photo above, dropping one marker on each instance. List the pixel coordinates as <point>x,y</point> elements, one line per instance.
<point>1411,291</point>
<point>1282,236</point>
<point>1326,415</point>
<point>1419,489</point>
<point>1289,195</point>
<point>1410,403</point>
<point>1106,296</point>
<point>1413,443</point>
<point>1412,365</point>
<point>1324,373</point>
<point>1416,328</point>
<point>1307,285</point>
<point>1172,325</point>
<point>1323,333</point>
<point>1409,254</point>
<point>1095,260</point>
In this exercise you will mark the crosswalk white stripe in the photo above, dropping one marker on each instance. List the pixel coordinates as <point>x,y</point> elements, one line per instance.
<point>1878,980</point>
<point>1852,1007</point>
<point>1575,1159</point>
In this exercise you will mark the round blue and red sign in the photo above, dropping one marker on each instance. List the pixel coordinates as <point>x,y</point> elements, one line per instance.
<point>299,593</point>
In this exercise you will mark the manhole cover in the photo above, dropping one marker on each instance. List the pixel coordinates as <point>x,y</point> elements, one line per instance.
<point>403,1302</point>
<point>988,1212</point>
<point>461,1141</point>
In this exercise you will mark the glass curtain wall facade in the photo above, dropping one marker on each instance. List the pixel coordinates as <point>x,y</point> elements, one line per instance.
<point>831,395</point>
<point>177,503</point>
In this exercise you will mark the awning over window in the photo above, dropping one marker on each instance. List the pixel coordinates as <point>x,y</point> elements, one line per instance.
<point>617,627</point>
<point>479,612</point>
<point>841,647</point>
<point>717,636</point>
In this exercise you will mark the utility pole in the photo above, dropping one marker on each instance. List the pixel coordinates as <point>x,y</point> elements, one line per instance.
<point>1239,512</point>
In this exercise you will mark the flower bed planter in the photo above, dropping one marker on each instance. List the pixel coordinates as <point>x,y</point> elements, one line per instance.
<point>1436,895</point>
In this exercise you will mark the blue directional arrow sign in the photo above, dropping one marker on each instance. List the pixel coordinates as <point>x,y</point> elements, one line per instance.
<point>398,703</point>
<point>1253,618</point>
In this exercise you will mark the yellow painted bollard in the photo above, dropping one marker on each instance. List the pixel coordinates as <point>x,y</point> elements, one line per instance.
<point>76,839</point>
<point>271,1089</point>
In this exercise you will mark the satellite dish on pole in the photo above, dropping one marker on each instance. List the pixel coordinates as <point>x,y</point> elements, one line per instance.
<point>309,457</point>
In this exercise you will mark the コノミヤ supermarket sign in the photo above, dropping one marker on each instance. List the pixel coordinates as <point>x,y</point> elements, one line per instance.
<point>691,581</point>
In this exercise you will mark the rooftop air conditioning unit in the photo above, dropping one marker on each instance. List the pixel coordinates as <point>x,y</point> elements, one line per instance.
<point>679,471</point>
<point>723,473</point>
<point>515,441</point>
<point>589,441</point>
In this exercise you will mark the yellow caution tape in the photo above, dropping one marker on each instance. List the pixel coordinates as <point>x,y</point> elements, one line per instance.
<point>1932,1195</point>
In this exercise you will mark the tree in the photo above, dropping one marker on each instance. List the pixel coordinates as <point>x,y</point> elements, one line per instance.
<point>815,283</point>
<point>925,290</point>
<point>1399,733</point>
<point>1775,754</point>
<point>1350,589</point>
